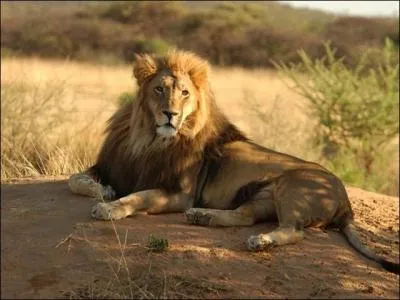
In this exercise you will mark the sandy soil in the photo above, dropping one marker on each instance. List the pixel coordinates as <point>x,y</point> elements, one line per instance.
<point>51,248</point>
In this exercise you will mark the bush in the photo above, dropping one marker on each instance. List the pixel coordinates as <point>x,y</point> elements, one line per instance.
<point>362,31</point>
<point>37,136</point>
<point>220,34</point>
<point>356,109</point>
<point>244,35</point>
<point>151,18</point>
<point>228,34</point>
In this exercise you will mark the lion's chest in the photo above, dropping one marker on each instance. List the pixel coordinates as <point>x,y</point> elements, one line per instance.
<point>137,178</point>
<point>161,171</point>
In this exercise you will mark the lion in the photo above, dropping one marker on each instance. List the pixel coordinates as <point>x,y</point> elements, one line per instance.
<point>173,150</point>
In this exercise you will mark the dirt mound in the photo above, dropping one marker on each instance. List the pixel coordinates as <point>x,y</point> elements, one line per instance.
<point>51,248</point>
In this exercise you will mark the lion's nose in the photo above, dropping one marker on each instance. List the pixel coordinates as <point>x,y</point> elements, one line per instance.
<point>169,114</point>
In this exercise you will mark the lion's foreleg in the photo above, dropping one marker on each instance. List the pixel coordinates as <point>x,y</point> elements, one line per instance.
<point>84,184</point>
<point>153,201</point>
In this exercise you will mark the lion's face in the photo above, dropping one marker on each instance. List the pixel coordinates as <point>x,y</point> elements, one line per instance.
<point>173,92</point>
<point>171,98</point>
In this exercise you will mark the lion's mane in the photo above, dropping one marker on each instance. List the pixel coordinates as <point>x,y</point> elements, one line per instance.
<point>134,158</point>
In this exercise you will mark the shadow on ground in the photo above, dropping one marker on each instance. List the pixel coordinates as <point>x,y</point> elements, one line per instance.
<point>51,248</point>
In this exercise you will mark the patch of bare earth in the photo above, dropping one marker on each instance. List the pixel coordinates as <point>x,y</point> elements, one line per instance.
<point>51,248</point>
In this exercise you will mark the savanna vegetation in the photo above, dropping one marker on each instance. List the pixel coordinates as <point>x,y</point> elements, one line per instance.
<point>357,113</point>
<point>334,103</point>
<point>242,33</point>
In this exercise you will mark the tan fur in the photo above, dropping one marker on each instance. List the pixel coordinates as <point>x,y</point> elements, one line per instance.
<point>172,150</point>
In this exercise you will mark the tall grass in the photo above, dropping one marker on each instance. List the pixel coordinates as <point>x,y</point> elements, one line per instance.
<point>278,128</point>
<point>38,135</point>
<point>53,114</point>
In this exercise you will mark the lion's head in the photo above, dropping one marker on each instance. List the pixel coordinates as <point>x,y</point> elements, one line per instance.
<point>172,92</point>
<point>172,126</point>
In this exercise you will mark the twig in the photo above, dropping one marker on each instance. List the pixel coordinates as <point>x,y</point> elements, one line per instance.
<point>68,238</point>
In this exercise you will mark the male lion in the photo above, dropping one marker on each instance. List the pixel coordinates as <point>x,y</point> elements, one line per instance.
<point>173,150</point>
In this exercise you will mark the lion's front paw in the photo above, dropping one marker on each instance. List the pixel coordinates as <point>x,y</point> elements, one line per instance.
<point>260,242</point>
<point>198,216</point>
<point>110,211</point>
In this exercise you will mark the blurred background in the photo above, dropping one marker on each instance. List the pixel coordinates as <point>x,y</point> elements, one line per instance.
<point>315,79</point>
<point>237,33</point>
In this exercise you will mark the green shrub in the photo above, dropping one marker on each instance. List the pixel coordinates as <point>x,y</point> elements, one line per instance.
<point>157,244</point>
<point>356,109</point>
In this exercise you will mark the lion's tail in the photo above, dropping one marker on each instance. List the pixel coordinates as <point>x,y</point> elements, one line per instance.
<point>352,236</point>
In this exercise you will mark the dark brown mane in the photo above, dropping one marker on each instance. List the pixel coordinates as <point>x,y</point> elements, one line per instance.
<point>156,167</point>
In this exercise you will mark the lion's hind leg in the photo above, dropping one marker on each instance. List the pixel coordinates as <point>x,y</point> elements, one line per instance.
<point>84,184</point>
<point>302,198</point>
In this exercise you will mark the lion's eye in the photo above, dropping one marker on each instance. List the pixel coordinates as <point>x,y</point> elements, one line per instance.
<point>185,93</point>
<point>158,89</point>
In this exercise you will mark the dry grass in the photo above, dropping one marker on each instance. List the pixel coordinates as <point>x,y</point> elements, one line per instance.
<point>88,84</point>
<point>51,120</point>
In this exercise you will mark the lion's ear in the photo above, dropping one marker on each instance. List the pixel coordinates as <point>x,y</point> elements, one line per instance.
<point>199,73</point>
<point>144,66</point>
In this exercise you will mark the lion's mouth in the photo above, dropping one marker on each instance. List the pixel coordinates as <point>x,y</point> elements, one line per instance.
<point>170,125</point>
<point>166,130</point>
<point>167,125</point>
